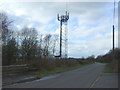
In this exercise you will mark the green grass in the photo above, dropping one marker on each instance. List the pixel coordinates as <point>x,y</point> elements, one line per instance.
<point>56,70</point>
<point>108,69</point>
<point>105,63</point>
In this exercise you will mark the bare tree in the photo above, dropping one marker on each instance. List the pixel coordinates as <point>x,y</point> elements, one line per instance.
<point>39,47</point>
<point>29,43</point>
<point>6,27</point>
<point>9,43</point>
<point>54,43</point>
<point>47,42</point>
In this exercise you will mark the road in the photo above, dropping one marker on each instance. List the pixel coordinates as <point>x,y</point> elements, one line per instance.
<point>83,77</point>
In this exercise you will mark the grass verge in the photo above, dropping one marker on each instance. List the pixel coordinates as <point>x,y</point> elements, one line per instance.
<point>108,69</point>
<point>105,63</point>
<point>56,70</point>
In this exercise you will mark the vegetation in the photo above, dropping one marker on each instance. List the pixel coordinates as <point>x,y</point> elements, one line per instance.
<point>112,58</point>
<point>24,45</point>
<point>54,64</point>
<point>108,69</point>
<point>35,50</point>
<point>56,70</point>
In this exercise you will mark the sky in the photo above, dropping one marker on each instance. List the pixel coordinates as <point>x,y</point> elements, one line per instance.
<point>89,26</point>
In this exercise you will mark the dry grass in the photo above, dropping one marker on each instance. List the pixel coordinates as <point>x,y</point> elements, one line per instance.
<point>51,64</point>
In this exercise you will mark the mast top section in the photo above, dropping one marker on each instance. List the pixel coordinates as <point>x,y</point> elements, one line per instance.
<point>63,18</point>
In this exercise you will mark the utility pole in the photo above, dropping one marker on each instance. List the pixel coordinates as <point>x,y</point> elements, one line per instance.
<point>113,25</point>
<point>63,19</point>
<point>113,38</point>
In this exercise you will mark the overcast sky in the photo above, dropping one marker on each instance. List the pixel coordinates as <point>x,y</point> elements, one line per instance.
<point>89,26</point>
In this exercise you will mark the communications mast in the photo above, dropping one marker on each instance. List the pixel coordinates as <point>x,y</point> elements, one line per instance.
<point>63,35</point>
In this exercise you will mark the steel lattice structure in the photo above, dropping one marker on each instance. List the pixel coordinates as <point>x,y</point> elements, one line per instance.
<point>63,35</point>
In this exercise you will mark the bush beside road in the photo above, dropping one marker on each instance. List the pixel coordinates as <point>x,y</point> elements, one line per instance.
<point>56,70</point>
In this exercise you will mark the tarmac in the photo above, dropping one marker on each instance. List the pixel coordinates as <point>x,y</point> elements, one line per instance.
<point>90,76</point>
<point>107,80</point>
<point>18,79</point>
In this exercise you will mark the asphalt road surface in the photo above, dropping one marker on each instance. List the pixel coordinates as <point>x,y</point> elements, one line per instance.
<point>83,77</point>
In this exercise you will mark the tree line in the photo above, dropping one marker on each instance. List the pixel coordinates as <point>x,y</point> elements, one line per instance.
<point>26,44</point>
<point>112,58</point>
